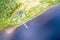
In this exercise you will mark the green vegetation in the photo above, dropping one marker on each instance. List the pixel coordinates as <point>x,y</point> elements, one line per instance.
<point>7,7</point>
<point>9,17</point>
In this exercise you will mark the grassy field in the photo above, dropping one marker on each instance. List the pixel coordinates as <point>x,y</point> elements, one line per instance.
<point>17,12</point>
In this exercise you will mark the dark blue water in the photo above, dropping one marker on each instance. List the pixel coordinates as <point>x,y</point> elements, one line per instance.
<point>44,27</point>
